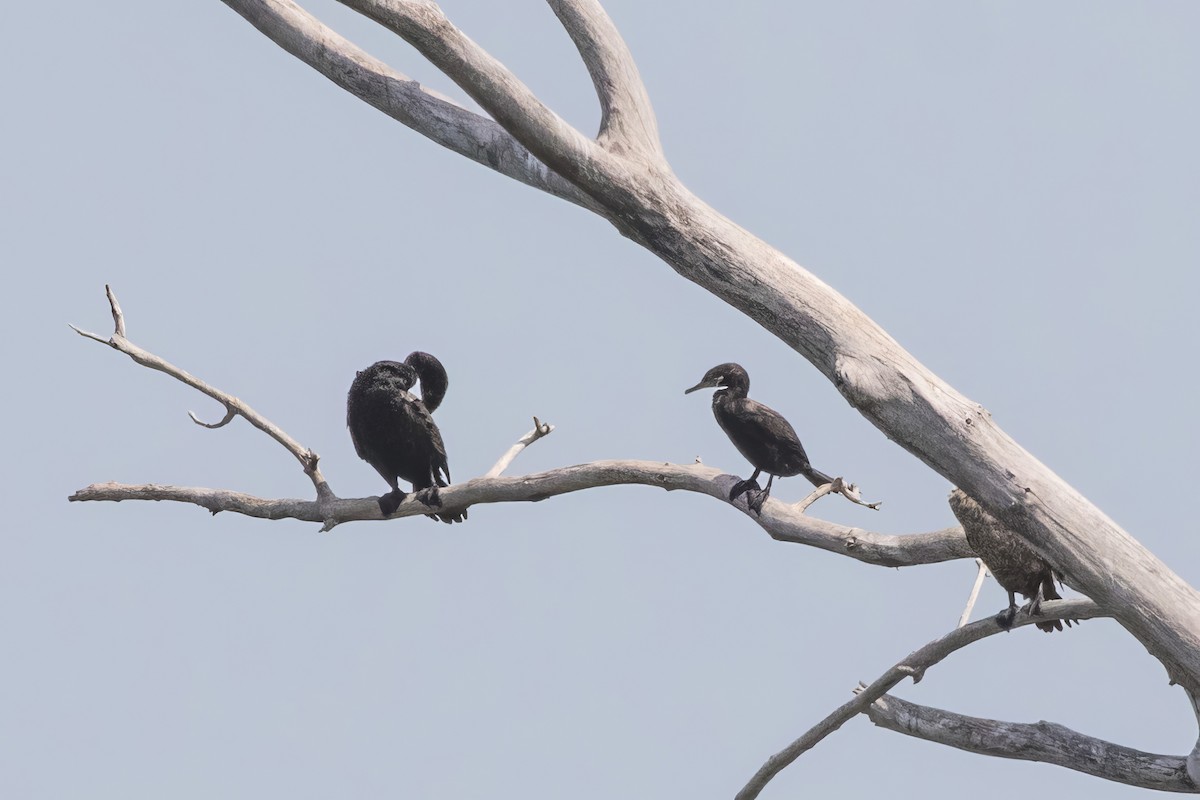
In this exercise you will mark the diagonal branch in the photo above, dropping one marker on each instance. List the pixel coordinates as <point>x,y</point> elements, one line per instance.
<point>540,429</point>
<point>627,118</point>
<point>233,406</point>
<point>480,139</point>
<point>1047,742</point>
<point>914,666</point>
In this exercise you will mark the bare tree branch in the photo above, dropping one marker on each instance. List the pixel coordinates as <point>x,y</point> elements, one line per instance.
<point>778,519</point>
<point>910,404</point>
<point>540,429</point>
<point>981,573</point>
<point>782,521</point>
<point>914,666</point>
<point>307,458</point>
<point>627,118</point>
<point>1047,742</point>
<point>480,139</point>
<point>501,94</point>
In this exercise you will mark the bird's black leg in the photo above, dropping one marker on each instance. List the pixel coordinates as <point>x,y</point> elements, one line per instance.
<point>389,502</point>
<point>755,503</point>
<point>741,487</point>
<point>1005,618</point>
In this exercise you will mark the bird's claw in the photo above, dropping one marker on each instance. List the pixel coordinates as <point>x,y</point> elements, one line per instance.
<point>1006,617</point>
<point>741,487</point>
<point>389,502</point>
<point>430,497</point>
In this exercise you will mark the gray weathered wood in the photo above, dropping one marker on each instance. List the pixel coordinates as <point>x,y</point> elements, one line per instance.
<point>1047,742</point>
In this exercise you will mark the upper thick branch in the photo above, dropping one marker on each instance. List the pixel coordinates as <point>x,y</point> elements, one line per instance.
<point>480,139</point>
<point>627,118</point>
<point>509,101</point>
<point>1047,742</point>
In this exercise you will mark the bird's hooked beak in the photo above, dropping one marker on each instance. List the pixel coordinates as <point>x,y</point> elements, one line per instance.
<point>707,383</point>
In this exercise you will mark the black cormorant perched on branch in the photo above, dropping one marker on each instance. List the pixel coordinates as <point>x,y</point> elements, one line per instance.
<point>395,433</point>
<point>759,433</point>
<point>1014,564</point>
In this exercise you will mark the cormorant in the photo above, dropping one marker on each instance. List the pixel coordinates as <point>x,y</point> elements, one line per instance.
<point>1013,564</point>
<point>395,433</point>
<point>759,433</point>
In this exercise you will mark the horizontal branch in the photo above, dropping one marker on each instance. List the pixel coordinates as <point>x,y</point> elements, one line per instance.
<point>436,117</point>
<point>1047,742</point>
<point>778,519</point>
<point>912,666</point>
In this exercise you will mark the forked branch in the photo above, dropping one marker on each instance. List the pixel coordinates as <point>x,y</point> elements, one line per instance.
<point>913,666</point>
<point>782,521</point>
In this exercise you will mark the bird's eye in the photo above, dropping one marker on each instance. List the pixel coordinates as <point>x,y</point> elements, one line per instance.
<point>720,378</point>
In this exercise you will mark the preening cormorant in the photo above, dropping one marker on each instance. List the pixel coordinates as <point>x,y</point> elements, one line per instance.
<point>395,433</point>
<point>1014,564</point>
<point>759,433</point>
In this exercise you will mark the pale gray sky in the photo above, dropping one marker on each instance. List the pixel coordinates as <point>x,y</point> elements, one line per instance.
<point>1011,189</point>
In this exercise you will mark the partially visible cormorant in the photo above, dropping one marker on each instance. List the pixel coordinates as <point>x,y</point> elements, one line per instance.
<point>759,433</point>
<point>1013,564</point>
<point>395,433</point>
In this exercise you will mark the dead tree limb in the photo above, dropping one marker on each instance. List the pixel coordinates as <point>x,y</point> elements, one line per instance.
<point>914,666</point>
<point>782,521</point>
<point>1047,742</point>
<point>622,176</point>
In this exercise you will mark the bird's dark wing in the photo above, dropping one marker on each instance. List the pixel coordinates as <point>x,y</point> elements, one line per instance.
<point>763,436</point>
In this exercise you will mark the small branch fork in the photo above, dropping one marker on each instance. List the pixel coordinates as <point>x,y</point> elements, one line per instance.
<point>915,665</point>
<point>783,522</point>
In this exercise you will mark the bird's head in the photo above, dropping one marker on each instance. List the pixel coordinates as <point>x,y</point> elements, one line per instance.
<point>724,376</point>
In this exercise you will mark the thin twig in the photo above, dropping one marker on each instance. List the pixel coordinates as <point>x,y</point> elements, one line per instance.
<point>914,666</point>
<point>981,573</point>
<point>540,429</point>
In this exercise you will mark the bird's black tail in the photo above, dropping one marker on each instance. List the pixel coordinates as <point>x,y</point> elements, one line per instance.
<point>1051,593</point>
<point>817,477</point>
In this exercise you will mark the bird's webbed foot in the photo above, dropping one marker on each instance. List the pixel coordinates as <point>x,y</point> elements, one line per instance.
<point>1006,617</point>
<point>430,497</point>
<point>433,499</point>
<point>741,487</point>
<point>389,502</point>
<point>756,499</point>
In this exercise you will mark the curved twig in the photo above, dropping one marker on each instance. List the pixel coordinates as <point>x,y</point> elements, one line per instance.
<point>230,413</point>
<point>627,116</point>
<point>980,574</point>
<point>913,666</point>
<point>1047,742</point>
<point>540,429</point>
